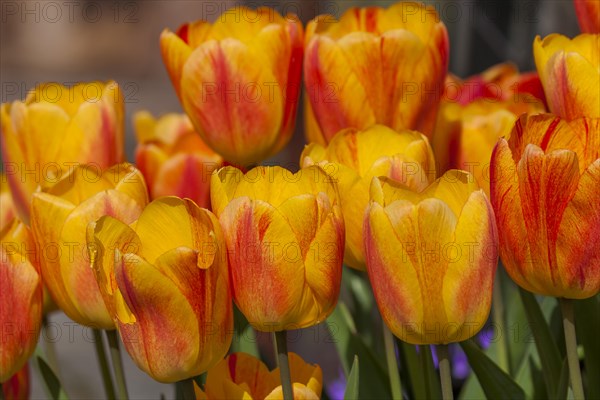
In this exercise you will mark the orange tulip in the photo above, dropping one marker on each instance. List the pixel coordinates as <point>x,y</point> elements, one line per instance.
<point>545,189</point>
<point>285,239</point>
<point>238,79</point>
<point>55,129</point>
<point>570,73</point>
<point>353,158</point>
<point>242,376</point>
<point>588,15</point>
<point>173,158</point>
<point>374,66</point>
<point>476,112</point>
<point>59,219</point>
<point>165,281</point>
<point>7,208</point>
<point>17,386</point>
<point>21,288</point>
<point>431,257</point>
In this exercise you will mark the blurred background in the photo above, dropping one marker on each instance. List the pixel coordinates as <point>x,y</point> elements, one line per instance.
<point>69,41</point>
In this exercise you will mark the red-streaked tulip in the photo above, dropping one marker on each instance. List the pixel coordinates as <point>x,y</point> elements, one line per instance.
<point>570,73</point>
<point>374,66</point>
<point>354,157</point>
<point>7,208</point>
<point>165,281</point>
<point>21,288</point>
<point>588,15</point>
<point>285,241</point>
<point>17,386</point>
<point>545,190</point>
<point>59,219</point>
<point>242,376</point>
<point>173,158</point>
<point>431,257</point>
<point>55,129</point>
<point>238,79</point>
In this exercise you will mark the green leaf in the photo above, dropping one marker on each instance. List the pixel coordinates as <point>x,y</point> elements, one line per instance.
<point>409,355</point>
<point>244,336</point>
<point>352,386</point>
<point>496,383</point>
<point>51,383</point>
<point>546,346</point>
<point>563,384</point>
<point>433,387</point>
<point>587,325</point>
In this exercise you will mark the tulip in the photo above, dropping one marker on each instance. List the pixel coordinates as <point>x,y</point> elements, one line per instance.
<point>173,158</point>
<point>242,376</point>
<point>285,241</point>
<point>55,129</point>
<point>545,189</point>
<point>59,219</point>
<point>476,112</point>
<point>431,257</point>
<point>354,157</point>
<point>165,280</point>
<point>21,288</point>
<point>374,66</point>
<point>588,15</point>
<point>7,208</point>
<point>238,79</point>
<point>570,73</point>
<point>17,386</point>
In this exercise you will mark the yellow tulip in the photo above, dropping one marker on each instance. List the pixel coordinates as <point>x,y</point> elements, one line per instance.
<point>354,157</point>
<point>7,208</point>
<point>238,79</point>
<point>59,219</point>
<point>374,66</point>
<point>173,158</point>
<point>545,190</point>
<point>570,73</point>
<point>165,281</point>
<point>56,129</point>
<point>285,239</point>
<point>431,257</point>
<point>242,376</point>
<point>21,288</point>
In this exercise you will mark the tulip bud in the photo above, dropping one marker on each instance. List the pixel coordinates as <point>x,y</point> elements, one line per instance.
<point>165,281</point>
<point>545,191</point>
<point>285,241</point>
<point>374,66</point>
<point>21,288</point>
<point>431,257</point>
<point>238,80</point>
<point>242,376</point>
<point>353,158</point>
<point>173,158</point>
<point>56,129</point>
<point>59,219</point>
<point>570,73</point>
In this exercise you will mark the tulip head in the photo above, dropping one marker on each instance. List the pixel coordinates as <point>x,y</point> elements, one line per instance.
<point>173,158</point>
<point>242,376</point>
<point>545,188</point>
<point>165,281</point>
<point>59,219</point>
<point>570,73</point>
<point>354,157</point>
<point>374,66</point>
<point>588,15</point>
<point>285,240</point>
<point>431,257</point>
<point>21,288</point>
<point>238,80</point>
<point>55,129</point>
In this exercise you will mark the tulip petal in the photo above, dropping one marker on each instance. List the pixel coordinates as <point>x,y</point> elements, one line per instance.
<point>301,392</point>
<point>175,52</point>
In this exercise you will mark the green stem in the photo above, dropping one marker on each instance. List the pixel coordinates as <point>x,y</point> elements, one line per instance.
<point>284,365</point>
<point>186,388</point>
<point>445,377</point>
<point>109,389</point>
<point>392,363</point>
<point>115,355</point>
<point>571,346</point>
<point>50,349</point>
<point>498,319</point>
